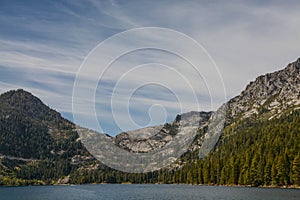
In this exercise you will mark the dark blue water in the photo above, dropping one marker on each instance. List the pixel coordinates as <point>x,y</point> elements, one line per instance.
<point>145,192</point>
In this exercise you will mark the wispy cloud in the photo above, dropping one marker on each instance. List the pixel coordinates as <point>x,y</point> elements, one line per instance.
<point>43,43</point>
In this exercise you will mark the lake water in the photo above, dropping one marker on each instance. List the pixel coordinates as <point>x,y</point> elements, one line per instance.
<point>145,192</point>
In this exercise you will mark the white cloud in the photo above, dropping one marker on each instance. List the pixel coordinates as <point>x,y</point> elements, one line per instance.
<point>45,47</point>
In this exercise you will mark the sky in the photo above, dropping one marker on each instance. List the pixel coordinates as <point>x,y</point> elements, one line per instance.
<point>60,50</point>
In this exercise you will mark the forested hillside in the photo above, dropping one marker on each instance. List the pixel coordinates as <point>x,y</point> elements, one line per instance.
<point>251,152</point>
<point>36,143</point>
<point>259,146</point>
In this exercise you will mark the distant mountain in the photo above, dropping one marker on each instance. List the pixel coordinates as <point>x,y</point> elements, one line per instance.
<point>155,137</point>
<point>260,144</point>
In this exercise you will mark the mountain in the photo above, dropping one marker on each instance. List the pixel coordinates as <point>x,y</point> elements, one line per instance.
<point>272,93</point>
<point>35,141</point>
<point>26,122</point>
<point>155,137</point>
<point>259,145</point>
<point>39,146</point>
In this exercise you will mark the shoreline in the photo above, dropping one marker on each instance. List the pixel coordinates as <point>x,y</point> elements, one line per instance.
<point>128,183</point>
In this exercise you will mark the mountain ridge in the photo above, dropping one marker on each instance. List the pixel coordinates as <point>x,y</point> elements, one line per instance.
<point>256,93</point>
<point>243,155</point>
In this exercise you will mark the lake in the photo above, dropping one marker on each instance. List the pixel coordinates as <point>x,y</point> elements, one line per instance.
<point>145,192</point>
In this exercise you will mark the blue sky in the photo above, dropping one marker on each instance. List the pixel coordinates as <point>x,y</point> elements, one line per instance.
<point>44,43</point>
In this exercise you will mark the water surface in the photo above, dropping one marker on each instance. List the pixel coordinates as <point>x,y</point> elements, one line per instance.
<point>145,192</point>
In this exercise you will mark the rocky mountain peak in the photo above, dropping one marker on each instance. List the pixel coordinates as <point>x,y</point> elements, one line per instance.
<point>155,137</point>
<point>270,92</point>
<point>294,66</point>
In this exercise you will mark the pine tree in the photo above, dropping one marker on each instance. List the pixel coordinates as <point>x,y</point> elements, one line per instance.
<point>254,179</point>
<point>267,173</point>
<point>282,167</point>
<point>296,170</point>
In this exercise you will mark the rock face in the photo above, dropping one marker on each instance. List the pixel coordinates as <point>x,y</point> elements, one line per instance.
<point>155,137</point>
<point>272,93</point>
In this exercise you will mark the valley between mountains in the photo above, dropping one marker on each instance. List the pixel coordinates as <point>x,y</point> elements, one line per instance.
<point>259,146</point>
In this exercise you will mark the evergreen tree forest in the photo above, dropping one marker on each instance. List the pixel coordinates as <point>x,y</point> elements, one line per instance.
<point>251,152</point>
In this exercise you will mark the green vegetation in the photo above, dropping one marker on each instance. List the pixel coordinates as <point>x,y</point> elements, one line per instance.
<point>37,146</point>
<point>37,143</point>
<point>253,152</point>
